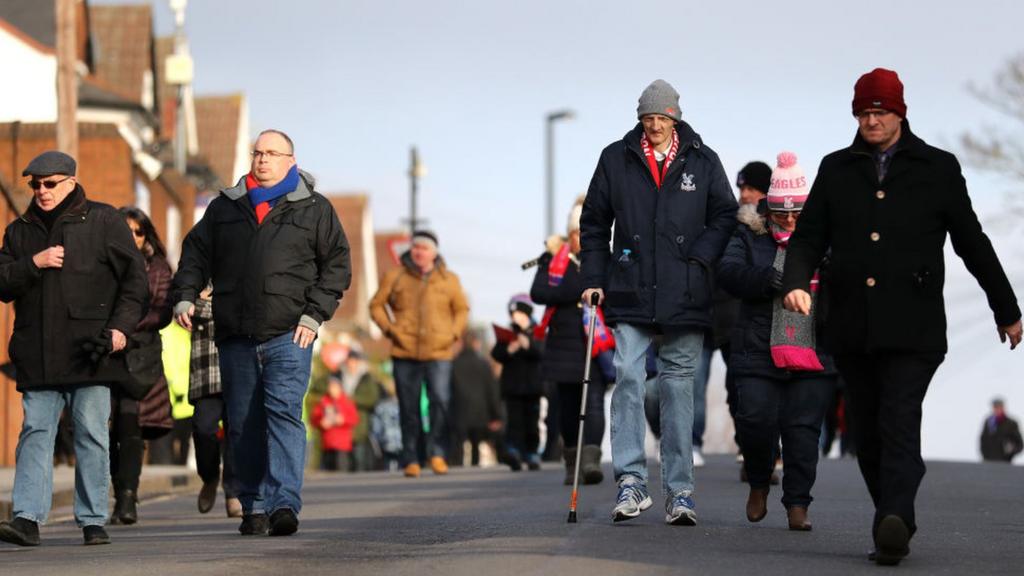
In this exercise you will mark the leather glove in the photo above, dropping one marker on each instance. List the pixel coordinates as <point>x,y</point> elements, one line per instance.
<point>98,348</point>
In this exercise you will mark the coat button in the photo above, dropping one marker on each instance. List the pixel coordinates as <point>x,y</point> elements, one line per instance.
<point>880,194</point>
<point>870,282</point>
<point>875,236</point>
<point>679,239</point>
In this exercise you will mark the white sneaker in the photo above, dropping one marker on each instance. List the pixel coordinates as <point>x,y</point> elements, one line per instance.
<point>632,500</point>
<point>698,459</point>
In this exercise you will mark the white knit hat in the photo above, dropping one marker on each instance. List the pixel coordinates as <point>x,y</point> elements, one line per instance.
<point>788,190</point>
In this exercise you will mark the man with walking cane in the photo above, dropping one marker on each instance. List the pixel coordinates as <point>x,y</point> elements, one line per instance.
<point>673,213</point>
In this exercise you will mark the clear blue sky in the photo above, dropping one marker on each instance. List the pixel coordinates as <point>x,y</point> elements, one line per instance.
<point>469,82</point>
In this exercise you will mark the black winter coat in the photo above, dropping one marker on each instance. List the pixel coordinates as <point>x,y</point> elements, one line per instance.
<point>746,272</point>
<point>520,373</point>
<point>674,235</point>
<point>565,346</point>
<point>101,286</point>
<point>476,399</point>
<point>887,243</point>
<point>268,276</point>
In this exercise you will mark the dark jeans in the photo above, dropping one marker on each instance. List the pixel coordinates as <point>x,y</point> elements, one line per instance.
<point>410,376</point>
<point>522,430</point>
<point>335,460</point>
<point>793,409</point>
<point>570,395</point>
<point>125,444</point>
<point>210,450</point>
<point>264,384</point>
<point>885,391</point>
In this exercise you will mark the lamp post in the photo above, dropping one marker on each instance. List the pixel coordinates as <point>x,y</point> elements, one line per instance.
<point>549,149</point>
<point>416,171</point>
<point>178,72</point>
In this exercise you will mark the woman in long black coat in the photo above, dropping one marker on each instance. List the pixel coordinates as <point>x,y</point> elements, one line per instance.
<point>131,418</point>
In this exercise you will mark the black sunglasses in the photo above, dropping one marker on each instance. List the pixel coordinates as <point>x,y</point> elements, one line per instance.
<point>49,184</point>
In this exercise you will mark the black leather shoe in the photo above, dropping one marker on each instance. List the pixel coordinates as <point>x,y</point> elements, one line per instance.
<point>95,535</point>
<point>283,522</point>
<point>20,531</point>
<point>125,509</point>
<point>207,497</point>
<point>892,541</point>
<point>254,525</point>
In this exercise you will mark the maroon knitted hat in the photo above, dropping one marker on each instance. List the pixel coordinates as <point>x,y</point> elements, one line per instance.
<point>879,88</point>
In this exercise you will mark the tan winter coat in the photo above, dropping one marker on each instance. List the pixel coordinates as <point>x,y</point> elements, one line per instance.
<point>427,315</point>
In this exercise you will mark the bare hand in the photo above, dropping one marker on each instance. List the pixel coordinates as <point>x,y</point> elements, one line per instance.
<point>588,294</point>
<point>1013,331</point>
<point>494,425</point>
<point>118,340</point>
<point>303,336</point>
<point>185,320</point>
<point>513,347</point>
<point>524,341</point>
<point>798,301</point>
<point>52,257</point>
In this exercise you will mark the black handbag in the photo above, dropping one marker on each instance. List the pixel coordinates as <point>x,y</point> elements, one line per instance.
<point>144,360</point>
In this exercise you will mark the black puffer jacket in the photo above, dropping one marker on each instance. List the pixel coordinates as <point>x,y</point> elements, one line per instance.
<point>101,286</point>
<point>666,241</point>
<point>520,372</point>
<point>746,272</point>
<point>266,277</point>
<point>565,346</point>
<point>887,239</point>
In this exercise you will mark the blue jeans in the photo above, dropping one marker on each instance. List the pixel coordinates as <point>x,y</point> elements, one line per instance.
<point>677,363</point>
<point>700,388</point>
<point>409,378</point>
<point>264,384</point>
<point>33,475</point>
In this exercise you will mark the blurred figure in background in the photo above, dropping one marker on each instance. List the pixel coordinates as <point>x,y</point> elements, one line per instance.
<point>521,385</point>
<point>1000,436</point>
<point>364,389</point>
<point>476,401</point>
<point>335,416</point>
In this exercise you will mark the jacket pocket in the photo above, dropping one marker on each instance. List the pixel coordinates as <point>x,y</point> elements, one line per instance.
<point>698,285</point>
<point>624,283</point>
<point>89,312</point>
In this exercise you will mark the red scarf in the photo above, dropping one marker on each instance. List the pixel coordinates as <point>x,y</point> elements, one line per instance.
<point>652,162</point>
<point>263,208</point>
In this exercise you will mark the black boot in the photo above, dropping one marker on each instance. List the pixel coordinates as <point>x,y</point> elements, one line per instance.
<point>125,510</point>
<point>569,454</point>
<point>590,465</point>
<point>20,531</point>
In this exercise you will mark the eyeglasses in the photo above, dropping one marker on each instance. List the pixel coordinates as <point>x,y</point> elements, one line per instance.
<point>785,216</point>
<point>272,154</point>
<point>48,184</point>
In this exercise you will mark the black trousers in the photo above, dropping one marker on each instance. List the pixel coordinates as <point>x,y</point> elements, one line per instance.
<point>570,394</point>
<point>211,450</point>
<point>125,446</point>
<point>885,391</point>
<point>770,409</point>
<point>522,430</point>
<point>475,436</point>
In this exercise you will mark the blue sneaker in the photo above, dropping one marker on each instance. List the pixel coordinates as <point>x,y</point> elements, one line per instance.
<point>633,499</point>
<point>679,511</point>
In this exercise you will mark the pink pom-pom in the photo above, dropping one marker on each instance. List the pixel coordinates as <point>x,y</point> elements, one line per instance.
<point>787,160</point>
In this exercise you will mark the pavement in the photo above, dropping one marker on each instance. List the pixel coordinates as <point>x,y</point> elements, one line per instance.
<point>493,522</point>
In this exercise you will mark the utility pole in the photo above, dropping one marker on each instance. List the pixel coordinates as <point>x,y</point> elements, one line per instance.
<point>67,78</point>
<point>549,165</point>
<point>178,71</point>
<point>416,171</point>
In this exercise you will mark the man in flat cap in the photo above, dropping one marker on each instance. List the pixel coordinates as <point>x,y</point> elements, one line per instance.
<point>79,287</point>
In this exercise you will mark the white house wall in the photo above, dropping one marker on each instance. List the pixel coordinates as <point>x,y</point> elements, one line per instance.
<point>30,92</point>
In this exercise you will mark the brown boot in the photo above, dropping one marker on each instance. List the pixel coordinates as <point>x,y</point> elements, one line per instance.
<point>757,504</point>
<point>798,519</point>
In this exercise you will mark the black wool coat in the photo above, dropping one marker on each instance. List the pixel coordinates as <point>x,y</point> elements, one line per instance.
<point>887,240</point>
<point>520,372</point>
<point>476,398</point>
<point>101,286</point>
<point>268,276</point>
<point>565,346</point>
<point>674,235</point>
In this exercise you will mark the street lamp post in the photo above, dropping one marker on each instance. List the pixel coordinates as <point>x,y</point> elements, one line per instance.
<point>549,148</point>
<point>416,171</point>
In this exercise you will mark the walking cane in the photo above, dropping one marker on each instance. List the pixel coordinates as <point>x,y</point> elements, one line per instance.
<point>583,407</point>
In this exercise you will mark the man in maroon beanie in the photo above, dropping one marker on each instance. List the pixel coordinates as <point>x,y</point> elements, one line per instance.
<point>884,206</point>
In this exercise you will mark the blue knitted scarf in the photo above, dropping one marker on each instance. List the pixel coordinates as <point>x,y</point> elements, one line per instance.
<point>258,195</point>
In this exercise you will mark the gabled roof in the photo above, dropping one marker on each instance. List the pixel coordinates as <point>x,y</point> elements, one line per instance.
<point>217,125</point>
<point>122,48</point>
<point>36,18</point>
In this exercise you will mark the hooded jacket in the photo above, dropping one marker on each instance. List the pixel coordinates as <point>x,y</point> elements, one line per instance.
<point>101,286</point>
<point>886,239</point>
<point>428,312</point>
<point>267,278</point>
<point>666,240</point>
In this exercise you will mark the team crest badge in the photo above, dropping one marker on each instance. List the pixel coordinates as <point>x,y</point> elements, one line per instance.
<point>687,184</point>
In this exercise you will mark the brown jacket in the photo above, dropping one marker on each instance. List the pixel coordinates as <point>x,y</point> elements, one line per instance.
<point>428,314</point>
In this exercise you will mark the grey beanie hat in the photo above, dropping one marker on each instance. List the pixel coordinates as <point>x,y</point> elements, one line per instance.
<point>659,98</point>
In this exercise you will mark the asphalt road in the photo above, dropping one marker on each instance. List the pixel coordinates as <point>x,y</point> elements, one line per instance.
<point>489,522</point>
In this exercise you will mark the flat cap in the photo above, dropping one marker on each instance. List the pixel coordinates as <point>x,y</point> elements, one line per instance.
<point>49,163</point>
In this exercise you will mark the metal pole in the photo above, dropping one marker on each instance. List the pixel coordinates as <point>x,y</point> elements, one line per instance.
<point>549,175</point>
<point>414,163</point>
<point>180,138</point>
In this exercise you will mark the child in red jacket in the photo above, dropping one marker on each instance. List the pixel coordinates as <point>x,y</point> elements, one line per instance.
<point>336,416</point>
